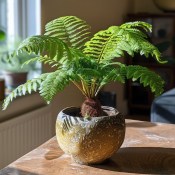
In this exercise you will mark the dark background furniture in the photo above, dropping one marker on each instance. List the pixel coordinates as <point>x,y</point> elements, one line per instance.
<point>163,108</point>
<point>107,98</point>
<point>140,98</point>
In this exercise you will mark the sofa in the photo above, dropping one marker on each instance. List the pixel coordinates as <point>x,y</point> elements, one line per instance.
<point>163,108</point>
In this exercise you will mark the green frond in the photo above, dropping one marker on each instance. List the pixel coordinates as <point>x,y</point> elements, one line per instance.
<point>54,83</point>
<point>88,72</point>
<point>114,74</point>
<point>118,40</point>
<point>137,32</point>
<point>27,88</point>
<point>54,48</point>
<point>136,73</point>
<point>135,42</point>
<point>100,45</point>
<point>45,60</point>
<point>69,29</point>
<point>145,77</point>
<point>137,24</point>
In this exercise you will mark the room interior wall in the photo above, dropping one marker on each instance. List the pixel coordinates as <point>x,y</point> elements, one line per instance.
<point>100,15</point>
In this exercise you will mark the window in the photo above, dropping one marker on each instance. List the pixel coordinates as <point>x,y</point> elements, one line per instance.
<point>19,19</point>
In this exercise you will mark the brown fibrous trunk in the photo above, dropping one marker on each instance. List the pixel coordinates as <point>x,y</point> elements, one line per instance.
<point>91,108</point>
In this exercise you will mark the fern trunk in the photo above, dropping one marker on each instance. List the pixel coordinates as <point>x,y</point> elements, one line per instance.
<point>91,107</point>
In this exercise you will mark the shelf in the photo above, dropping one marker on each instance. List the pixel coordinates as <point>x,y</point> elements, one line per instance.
<point>139,97</point>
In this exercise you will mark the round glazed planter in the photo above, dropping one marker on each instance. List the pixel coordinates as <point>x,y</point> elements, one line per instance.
<point>90,140</point>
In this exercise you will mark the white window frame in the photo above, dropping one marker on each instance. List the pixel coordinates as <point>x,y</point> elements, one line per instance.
<point>3,18</point>
<point>20,19</point>
<point>24,18</point>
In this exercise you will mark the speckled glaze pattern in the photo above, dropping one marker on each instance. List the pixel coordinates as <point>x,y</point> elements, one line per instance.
<point>90,140</point>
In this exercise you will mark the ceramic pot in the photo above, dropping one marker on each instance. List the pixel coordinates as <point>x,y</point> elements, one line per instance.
<point>165,5</point>
<point>90,140</point>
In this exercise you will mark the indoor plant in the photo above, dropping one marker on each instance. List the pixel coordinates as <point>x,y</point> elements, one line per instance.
<point>91,133</point>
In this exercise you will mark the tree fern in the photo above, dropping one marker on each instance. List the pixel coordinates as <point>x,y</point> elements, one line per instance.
<point>69,29</point>
<point>91,65</point>
<point>137,24</point>
<point>135,42</point>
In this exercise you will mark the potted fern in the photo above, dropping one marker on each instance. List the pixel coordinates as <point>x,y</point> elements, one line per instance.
<point>90,133</point>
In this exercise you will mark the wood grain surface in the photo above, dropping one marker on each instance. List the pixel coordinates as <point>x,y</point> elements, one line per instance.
<point>149,148</point>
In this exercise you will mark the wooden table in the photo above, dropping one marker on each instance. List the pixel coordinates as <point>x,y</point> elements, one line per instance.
<point>149,148</point>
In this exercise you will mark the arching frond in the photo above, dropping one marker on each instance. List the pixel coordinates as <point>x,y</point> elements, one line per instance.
<point>135,73</point>
<point>54,83</point>
<point>45,60</point>
<point>146,77</point>
<point>133,42</point>
<point>98,45</point>
<point>27,88</point>
<point>137,24</point>
<point>116,40</point>
<point>54,48</point>
<point>70,29</point>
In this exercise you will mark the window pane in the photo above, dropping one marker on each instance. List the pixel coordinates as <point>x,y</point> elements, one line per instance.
<point>3,16</point>
<point>19,19</point>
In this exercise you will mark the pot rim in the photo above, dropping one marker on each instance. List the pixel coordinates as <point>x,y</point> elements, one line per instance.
<point>107,109</point>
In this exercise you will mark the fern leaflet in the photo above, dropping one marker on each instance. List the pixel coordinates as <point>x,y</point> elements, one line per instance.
<point>53,83</point>
<point>29,87</point>
<point>69,29</point>
<point>52,47</point>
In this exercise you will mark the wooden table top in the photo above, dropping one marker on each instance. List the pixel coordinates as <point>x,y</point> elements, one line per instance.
<point>149,148</point>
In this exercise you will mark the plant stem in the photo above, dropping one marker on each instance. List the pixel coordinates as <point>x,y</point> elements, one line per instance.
<point>85,88</point>
<point>93,87</point>
<point>97,91</point>
<point>78,86</point>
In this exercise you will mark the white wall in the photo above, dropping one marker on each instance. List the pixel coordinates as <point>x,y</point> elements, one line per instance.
<point>98,13</point>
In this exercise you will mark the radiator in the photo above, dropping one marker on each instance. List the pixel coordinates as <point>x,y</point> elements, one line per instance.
<point>24,133</point>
